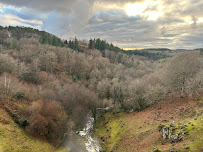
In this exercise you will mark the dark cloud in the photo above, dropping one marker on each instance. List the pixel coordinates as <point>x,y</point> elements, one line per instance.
<point>177,26</point>
<point>63,17</point>
<point>71,23</point>
<point>110,15</point>
<point>43,5</point>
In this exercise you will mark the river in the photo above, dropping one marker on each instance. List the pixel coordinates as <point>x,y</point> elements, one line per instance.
<point>91,144</point>
<point>82,141</point>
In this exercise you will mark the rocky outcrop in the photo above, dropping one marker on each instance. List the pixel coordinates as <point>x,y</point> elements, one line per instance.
<point>172,133</point>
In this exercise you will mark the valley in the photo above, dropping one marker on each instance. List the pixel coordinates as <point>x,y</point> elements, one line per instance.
<point>91,96</point>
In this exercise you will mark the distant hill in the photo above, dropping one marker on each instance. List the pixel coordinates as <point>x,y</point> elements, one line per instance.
<point>101,45</point>
<point>157,49</point>
<point>148,54</point>
<point>23,32</point>
<point>27,32</point>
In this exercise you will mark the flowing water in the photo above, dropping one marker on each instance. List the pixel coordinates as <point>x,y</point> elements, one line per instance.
<point>91,144</point>
<point>82,141</point>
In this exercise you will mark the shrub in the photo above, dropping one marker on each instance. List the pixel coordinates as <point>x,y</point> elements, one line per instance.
<point>15,45</point>
<point>7,64</point>
<point>23,122</point>
<point>19,95</point>
<point>47,120</point>
<point>31,77</point>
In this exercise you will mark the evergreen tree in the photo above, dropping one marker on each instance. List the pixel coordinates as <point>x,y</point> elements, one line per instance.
<point>51,40</point>
<point>70,44</point>
<point>91,44</point>
<point>98,44</point>
<point>54,41</point>
<point>103,45</point>
<point>76,44</point>
<point>66,42</point>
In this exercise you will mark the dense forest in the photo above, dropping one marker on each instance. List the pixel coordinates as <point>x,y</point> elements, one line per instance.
<point>46,82</point>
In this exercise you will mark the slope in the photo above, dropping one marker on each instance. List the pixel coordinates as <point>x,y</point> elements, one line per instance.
<point>139,131</point>
<point>13,138</point>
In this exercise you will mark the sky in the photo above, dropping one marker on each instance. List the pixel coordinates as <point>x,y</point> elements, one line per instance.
<point>170,24</point>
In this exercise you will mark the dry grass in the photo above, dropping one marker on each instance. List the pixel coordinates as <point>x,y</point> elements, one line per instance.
<point>141,134</point>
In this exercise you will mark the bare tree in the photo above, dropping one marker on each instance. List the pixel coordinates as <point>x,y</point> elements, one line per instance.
<point>180,70</point>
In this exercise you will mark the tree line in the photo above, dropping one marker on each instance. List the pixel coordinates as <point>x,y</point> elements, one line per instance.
<point>149,55</point>
<point>51,40</point>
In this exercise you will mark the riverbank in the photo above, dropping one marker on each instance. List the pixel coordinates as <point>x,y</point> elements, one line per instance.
<point>139,131</point>
<point>13,138</point>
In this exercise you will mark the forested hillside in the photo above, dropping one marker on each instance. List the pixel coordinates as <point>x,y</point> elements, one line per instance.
<point>48,85</point>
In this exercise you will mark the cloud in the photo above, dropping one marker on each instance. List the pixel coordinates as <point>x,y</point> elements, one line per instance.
<point>168,31</point>
<point>16,21</point>
<point>64,17</point>
<point>73,22</point>
<point>10,15</point>
<point>101,17</point>
<point>21,13</point>
<point>168,23</point>
<point>43,5</point>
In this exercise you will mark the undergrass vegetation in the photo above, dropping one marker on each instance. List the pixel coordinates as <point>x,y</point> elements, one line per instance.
<point>13,137</point>
<point>109,130</point>
<point>141,131</point>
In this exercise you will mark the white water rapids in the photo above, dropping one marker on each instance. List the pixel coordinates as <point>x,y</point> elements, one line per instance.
<point>82,141</point>
<point>91,144</point>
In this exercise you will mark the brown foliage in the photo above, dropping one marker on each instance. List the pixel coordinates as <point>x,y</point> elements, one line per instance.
<point>47,120</point>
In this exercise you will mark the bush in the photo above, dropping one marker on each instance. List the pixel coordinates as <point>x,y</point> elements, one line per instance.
<point>31,77</point>
<point>19,95</point>
<point>23,122</point>
<point>76,77</point>
<point>15,45</point>
<point>47,120</point>
<point>7,64</point>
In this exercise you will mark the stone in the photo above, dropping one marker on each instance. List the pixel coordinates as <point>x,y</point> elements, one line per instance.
<point>183,132</point>
<point>155,150</point>
<point>169,135</point>
<point>173,124</point>
<point>166,132</point>
<point>174,138</point>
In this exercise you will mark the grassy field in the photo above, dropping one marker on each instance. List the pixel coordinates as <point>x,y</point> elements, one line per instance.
<point>14,139</point>
<point>138,131</point>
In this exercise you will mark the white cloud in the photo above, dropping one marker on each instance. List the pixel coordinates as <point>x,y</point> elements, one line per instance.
<point>128,23</point>
<point>16,21</point>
